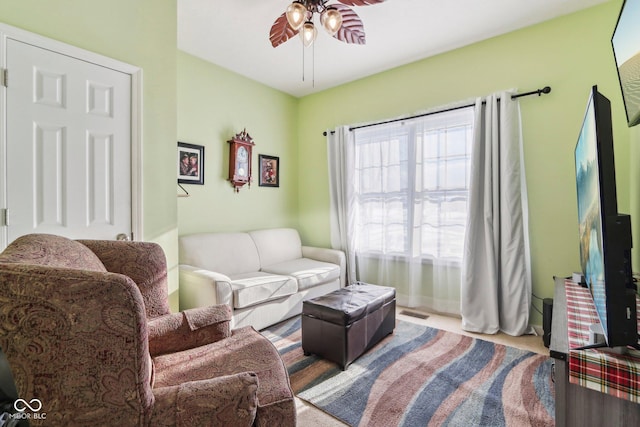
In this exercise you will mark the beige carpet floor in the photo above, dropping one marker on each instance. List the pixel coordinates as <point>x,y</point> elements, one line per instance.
<point>309,416</point>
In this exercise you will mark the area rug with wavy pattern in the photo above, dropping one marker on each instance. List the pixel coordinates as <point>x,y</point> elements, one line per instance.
<point>420,376</point>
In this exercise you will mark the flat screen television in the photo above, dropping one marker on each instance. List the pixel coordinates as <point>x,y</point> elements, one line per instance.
<point>626,49</point>
<point>605,234</point>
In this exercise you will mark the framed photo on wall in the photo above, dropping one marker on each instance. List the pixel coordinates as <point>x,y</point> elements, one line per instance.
<point>269,171</point>
<point>190,163</point>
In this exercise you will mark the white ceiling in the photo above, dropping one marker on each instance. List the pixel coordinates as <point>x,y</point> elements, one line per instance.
<point>234,34</point>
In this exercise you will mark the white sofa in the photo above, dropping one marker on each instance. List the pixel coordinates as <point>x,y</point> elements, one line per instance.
<point>263,275</point>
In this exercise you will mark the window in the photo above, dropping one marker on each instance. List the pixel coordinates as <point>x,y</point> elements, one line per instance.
<point>412,186</point>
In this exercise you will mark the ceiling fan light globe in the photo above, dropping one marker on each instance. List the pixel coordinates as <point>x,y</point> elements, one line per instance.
<point>331,20</point>
<point>308,33</point>
<point>296,15</point>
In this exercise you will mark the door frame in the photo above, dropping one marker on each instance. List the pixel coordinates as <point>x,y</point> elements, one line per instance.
<point>8,32</point>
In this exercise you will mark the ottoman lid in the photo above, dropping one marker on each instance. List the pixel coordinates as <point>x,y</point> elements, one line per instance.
<point>346,305</point>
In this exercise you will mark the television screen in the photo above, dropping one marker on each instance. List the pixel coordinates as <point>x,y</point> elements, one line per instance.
<point>626,49</point>
<point>605,234</point>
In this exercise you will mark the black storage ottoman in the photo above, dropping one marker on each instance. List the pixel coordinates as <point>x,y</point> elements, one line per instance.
<point>343,324</point>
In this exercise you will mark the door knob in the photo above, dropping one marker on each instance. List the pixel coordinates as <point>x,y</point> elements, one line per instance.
<point>123,236</point>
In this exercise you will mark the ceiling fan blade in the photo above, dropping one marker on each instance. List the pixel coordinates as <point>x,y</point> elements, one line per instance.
<point>352,29</point>
<point>360,2</point>
<point>281,31</point>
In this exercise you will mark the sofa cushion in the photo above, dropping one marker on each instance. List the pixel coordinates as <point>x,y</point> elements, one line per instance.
<point>226,253</point>
<point>254,288</point>
<point>277,245</point>
<point>308,272</point>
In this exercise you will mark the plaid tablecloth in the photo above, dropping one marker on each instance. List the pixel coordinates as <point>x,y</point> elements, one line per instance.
<point>614,374</point>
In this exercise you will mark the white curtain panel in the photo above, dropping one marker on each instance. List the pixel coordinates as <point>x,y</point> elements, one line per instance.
<point>398,203</point>
<point>340,152</point>
<point>403,230</point>
<point>496,282</point>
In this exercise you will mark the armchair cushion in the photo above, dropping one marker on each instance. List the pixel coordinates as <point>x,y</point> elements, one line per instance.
<point>244,351</point>
<point>229,400</point>
<point>188,329</point>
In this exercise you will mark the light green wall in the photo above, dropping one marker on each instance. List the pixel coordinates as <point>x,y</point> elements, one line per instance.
<point>141,33</point>
<point>214,104</point>
<point>570,54</point>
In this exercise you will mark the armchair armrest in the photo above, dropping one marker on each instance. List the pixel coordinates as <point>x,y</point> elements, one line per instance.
<point>189,329</point>
<point>200,287</point>
<point>78,339</point>
<point>333,256</point>
<point>230,400</point>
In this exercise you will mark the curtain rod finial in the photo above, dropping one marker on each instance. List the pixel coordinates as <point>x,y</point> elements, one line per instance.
<point>545,89</point>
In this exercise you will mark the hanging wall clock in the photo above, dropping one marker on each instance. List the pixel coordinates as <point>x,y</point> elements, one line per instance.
<point>240,147</point>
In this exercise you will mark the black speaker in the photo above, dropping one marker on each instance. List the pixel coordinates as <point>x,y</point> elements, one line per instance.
<point>547,313</point>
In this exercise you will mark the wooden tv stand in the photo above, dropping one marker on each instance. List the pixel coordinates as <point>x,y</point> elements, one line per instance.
<point>577,405</point>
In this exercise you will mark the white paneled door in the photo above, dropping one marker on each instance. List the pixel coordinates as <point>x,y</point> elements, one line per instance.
<point>68,139</point>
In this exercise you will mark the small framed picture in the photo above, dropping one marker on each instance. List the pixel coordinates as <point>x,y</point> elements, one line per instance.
<point>190,163</point>
<point>269,171</point>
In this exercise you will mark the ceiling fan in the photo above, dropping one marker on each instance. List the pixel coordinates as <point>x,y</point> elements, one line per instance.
<point>338,19</point>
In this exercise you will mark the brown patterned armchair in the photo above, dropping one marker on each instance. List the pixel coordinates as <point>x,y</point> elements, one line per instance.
<point>87,331</point>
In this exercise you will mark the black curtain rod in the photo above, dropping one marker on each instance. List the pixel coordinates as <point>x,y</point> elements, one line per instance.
<point>538,92</point>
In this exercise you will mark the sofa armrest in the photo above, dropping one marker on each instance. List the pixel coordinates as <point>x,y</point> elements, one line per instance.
<point>333,256</point>
<point>189,329</point>
<point>230,400</point>
<point>200,287</point>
